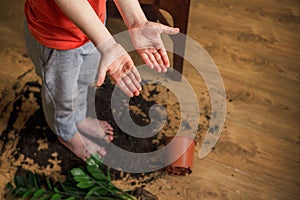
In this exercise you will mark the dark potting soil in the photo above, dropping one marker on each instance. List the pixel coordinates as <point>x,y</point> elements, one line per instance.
<point>36,128</point>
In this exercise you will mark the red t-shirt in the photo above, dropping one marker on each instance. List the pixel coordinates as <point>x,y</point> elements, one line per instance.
<point>52,28</point>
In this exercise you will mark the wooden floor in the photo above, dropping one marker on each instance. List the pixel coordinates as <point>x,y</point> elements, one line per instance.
<point>256,46</point>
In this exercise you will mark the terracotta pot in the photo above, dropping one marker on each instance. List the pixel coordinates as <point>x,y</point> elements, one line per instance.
<point>180,155</point>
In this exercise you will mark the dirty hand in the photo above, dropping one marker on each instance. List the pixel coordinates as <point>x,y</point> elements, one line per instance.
<point>147,41</point>
<point>118,64</point>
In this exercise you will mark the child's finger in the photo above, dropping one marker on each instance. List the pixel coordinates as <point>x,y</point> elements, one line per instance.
<point>129,84</point>
<point>135,82</point>
<point>124,88</point>
<point>168,30</point>
<point>136,74</point>
<point>146,59</point>
<point>164,57</point>
<point>101,76</point>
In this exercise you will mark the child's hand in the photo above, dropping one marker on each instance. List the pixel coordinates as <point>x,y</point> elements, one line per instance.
<point>147,41</point>
<point>118,64</point>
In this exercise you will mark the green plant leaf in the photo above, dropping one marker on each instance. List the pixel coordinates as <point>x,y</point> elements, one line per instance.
<point>96,158</point>
<point>72,189</point>
<point>92,191</point>
<point>9,187</point>
<point>96,173</point>
<point>108,198</point>
<point>126,197</point>
<point>48,182</point>
<point>19,181</point>
<point>81,178</point>
<point>56,197</point>
<point>19,191</point>
<point>77,172</point>
<point>86,184</point>
<point>27,194</point>
<point>70,198</point>
<point>31,178</point>
<point>91,162</point>
<point>45,197</point>
<point>56,190</point>
<point>108,176</point>
<point>102,192</point>
<point>39,193</point>
<point>67,188</point>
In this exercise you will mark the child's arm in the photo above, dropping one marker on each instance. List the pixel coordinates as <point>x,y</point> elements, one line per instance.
<point>131,12</point>
<point>115,60</point>
<point>84,17</point>
<point>145,35</point>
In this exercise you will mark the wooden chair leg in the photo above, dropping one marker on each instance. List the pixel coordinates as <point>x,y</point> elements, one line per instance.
<point>179,42</point>
<point>150,12</point>
<point>181,21</point>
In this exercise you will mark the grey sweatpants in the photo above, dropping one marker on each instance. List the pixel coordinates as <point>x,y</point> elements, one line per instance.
<point>66,76</point>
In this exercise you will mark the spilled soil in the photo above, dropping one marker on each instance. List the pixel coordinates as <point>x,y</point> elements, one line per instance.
<point>36,148</point>
<point>255,45</point>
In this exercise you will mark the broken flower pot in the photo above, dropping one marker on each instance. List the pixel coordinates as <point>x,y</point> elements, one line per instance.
<point>180,155</point>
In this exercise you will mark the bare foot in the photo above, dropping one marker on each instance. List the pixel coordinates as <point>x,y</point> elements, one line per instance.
<point>96,128</point>
<point>82,147</point>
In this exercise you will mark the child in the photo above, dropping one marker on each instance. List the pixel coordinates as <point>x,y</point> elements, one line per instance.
<point>69,45</point>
